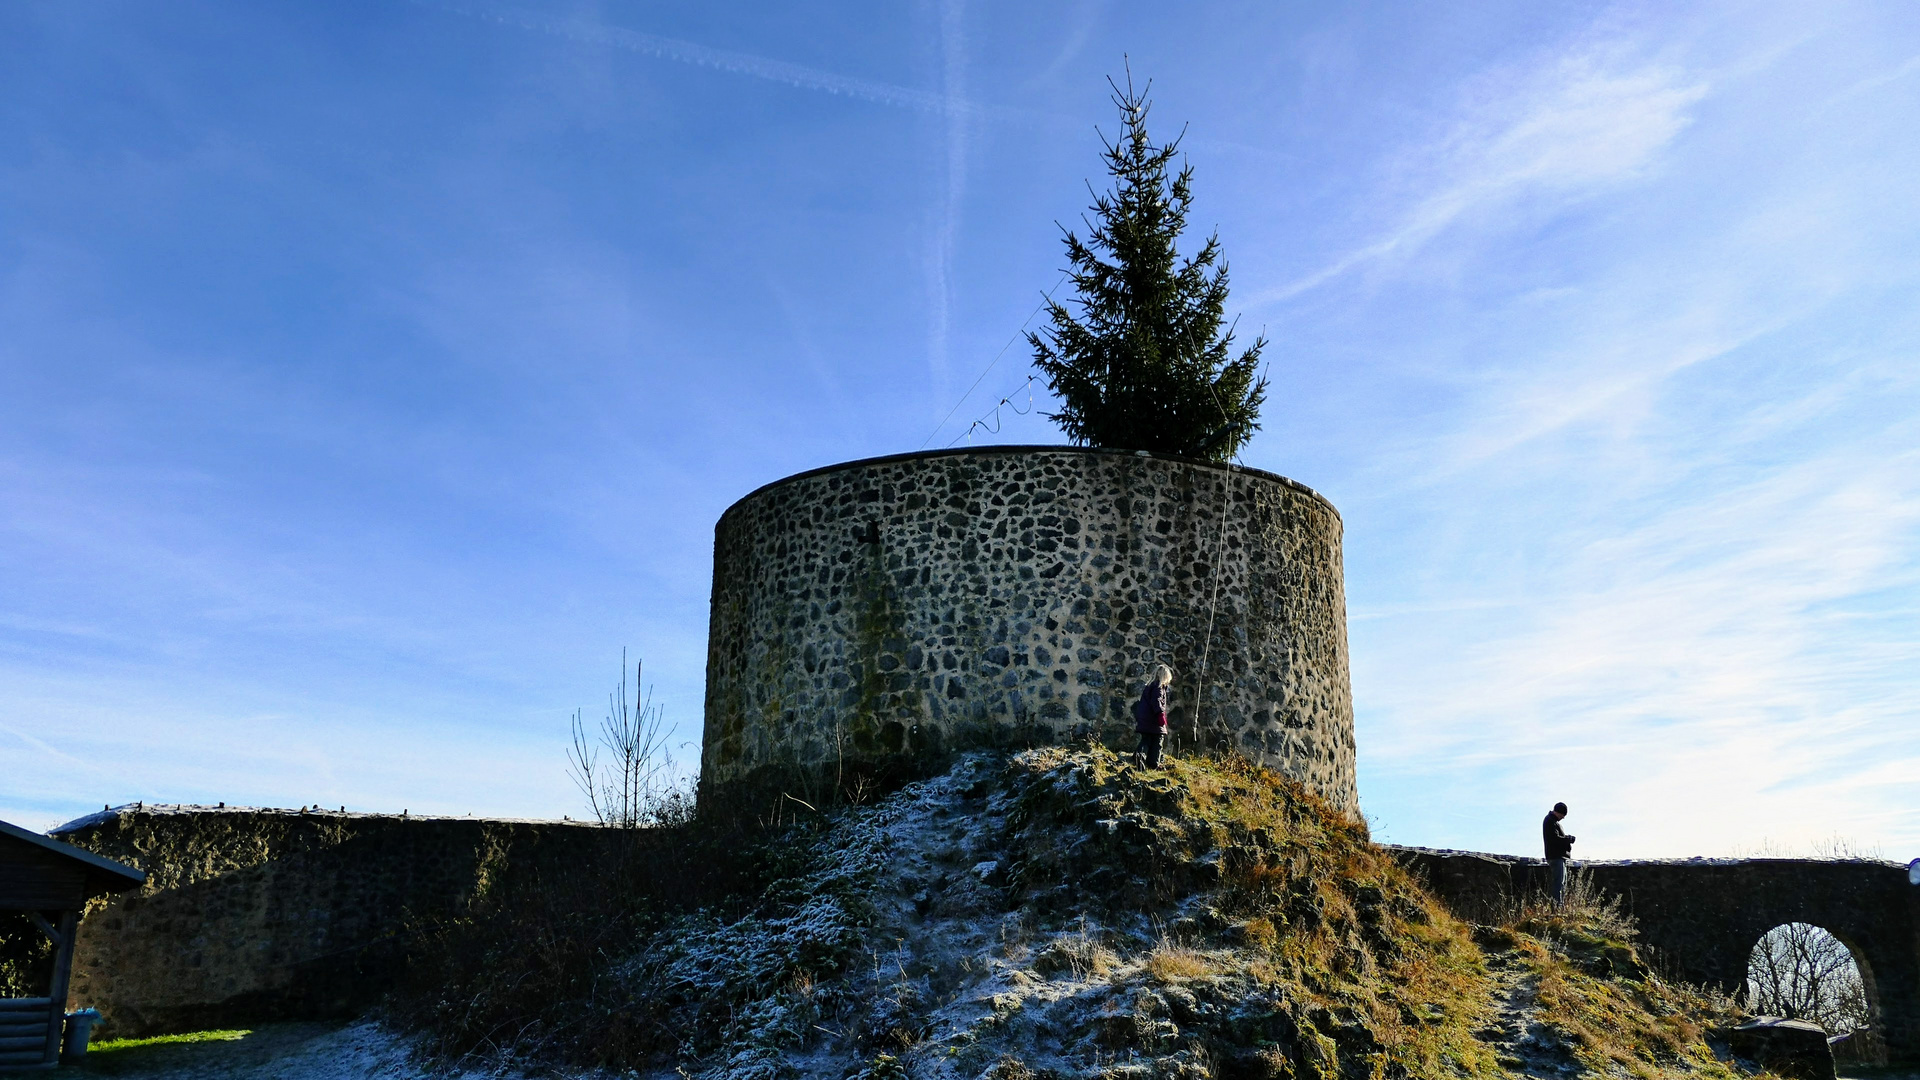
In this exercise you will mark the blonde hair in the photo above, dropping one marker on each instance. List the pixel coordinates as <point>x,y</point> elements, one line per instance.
<point>1163,674</point>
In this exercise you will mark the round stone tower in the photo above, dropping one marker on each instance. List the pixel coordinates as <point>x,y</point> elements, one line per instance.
<point>873,617</point>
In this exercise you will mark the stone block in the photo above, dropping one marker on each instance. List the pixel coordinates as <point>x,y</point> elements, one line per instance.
<point>1791,1048</point>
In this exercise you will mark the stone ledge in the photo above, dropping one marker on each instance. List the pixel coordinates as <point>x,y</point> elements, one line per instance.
<point>1035,448</point>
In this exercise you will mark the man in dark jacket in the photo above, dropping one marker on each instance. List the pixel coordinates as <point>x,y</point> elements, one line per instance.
<point>1559,847</point>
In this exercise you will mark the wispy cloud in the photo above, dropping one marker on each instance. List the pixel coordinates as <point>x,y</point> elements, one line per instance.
<point>1610,383</point>
<point>688,52</point>
<point>1085,18</point>
<point>1878,80</point>
<point>1573,124</point>
<point>953,189</point>
<point>1698,645</point>
<point>1682,677</point>
<point>1659,549</point>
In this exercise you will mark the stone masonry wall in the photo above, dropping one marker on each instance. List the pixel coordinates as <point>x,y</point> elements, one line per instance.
<point>251,915</point>
<point>884,613</point>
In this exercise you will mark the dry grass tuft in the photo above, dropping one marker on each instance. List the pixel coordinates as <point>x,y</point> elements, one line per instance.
<point>1077,955</point>
<point>1587,912</point>
<point>1009,1068</point>
<point>1169,963</point>
<point>1259,933</point>
<point>1322,914</point>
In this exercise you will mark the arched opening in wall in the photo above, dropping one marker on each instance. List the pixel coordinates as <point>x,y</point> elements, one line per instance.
<point>1805,972</point>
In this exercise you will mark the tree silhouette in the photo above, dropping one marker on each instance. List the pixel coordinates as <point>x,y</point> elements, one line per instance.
<point>1146,365</point>
<point>1803,972</point>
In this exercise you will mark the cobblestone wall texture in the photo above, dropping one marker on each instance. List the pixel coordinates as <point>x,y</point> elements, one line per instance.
<point>896,609</point>
<point>254,914</point>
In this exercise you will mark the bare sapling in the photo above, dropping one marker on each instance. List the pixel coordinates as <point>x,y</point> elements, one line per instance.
<point>636,783</point>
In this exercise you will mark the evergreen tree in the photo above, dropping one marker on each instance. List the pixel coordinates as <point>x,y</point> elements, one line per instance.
<point>1146,365</point>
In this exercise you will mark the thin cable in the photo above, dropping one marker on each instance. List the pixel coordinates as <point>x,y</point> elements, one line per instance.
<point>1006,403</point>
<point>1219,573</point>
<point>1045,299</point>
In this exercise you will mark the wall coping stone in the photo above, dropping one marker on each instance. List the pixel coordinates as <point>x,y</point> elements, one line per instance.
<point>1035,448</point>
<point>101,817</point>
<point>1691,860</point>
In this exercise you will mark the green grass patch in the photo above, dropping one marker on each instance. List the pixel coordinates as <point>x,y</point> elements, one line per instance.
<point>186,1038</point>
<point>112,1057</point>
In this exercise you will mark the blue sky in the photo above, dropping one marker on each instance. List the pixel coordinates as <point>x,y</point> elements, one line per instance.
<point>372,372</point>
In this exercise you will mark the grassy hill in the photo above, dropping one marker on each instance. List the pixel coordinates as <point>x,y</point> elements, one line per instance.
<point>1053,913</point>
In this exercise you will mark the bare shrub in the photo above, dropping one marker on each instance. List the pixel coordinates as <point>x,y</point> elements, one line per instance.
<point>1585,907</point>
<point>1831,847</point>
<point>637,785</point>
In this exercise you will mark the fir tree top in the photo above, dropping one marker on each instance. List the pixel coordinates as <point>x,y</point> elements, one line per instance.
<point>1146,364</point>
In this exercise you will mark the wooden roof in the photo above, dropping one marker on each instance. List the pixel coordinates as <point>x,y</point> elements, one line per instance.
<point>39,873</point>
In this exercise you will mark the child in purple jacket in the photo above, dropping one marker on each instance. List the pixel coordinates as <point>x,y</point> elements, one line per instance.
<point>1150,716</point>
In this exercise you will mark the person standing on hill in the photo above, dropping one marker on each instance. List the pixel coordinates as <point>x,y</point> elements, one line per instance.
<point>1150,716</point>
<point>1559,849</point>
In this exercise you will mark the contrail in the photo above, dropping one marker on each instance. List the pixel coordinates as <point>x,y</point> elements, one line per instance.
<point>686,52</point>
<point>946,230</point>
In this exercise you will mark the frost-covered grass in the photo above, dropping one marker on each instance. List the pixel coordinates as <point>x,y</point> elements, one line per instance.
<point>1176,963</point>
<point>1059,913</point>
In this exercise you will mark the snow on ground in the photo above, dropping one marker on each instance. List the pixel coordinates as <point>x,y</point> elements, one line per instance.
<point>944,947</point>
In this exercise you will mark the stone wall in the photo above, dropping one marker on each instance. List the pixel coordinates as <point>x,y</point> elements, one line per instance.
<point>883,613</point>
<point>1702,917</point>
<point>250,915</point>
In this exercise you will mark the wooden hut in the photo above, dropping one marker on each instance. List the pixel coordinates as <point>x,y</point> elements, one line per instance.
<point>51,882</point>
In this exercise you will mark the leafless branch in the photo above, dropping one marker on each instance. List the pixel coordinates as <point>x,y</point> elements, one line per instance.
<point>1803,972</point>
